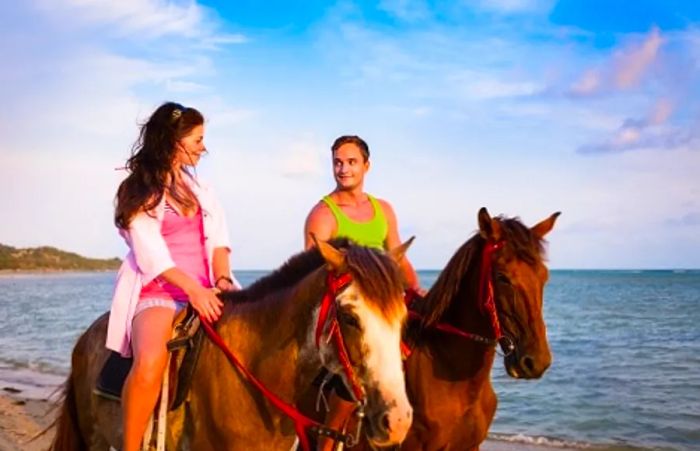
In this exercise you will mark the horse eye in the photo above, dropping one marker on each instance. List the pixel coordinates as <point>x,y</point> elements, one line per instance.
<point>502,278</point>
<point>349,320</point>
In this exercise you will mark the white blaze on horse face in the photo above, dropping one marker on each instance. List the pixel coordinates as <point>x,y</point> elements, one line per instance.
<point>382,344</point>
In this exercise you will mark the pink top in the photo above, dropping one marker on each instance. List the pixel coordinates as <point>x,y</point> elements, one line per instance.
<point>184,237</point>
<point>149,256</point>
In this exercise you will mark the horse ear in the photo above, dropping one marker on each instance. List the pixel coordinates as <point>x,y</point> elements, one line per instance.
<point>334,257</point>
<point>489,228</point>
<point>543,227</point>
<point>398,252</point>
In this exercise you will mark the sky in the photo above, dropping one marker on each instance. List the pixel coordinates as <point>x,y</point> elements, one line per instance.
<point>526,107</point>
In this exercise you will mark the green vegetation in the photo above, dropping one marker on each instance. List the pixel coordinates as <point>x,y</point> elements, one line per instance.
<point>51,259</point>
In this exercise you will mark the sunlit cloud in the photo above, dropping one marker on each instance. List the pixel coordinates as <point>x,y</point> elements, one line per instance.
<point>625,69</point>
<point>632,63</point>
<point>589,83</point>
<point>515,6</point>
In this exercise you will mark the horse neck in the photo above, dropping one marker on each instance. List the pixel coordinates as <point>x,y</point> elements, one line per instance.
<point>465,309</point>
<point>467,358</point>
<point>278,325</point>
<point>454,298</point>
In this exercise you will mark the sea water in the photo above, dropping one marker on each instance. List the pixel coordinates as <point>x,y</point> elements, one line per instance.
<point>626,346</point>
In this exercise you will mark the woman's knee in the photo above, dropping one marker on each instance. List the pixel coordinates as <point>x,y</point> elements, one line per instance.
<point>148,369</point>
<point>149,365</point>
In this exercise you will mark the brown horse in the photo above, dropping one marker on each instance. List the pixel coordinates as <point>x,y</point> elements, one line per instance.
<point>271,327</point>
<point>448,374</point>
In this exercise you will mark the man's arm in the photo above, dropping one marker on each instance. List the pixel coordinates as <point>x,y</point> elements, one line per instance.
<point>393,241</point>
<point>320,223</point>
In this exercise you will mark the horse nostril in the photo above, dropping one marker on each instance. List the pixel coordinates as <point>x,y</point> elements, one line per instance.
<point>528,363</point>
<point>386,424</point>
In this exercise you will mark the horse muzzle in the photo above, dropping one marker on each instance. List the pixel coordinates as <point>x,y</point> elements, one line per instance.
<point>388,418</point>
<point>524,365</point>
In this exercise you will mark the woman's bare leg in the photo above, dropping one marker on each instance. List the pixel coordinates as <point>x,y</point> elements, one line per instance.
<point>151,331</point>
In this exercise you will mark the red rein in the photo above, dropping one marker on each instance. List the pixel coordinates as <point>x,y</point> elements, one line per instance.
<point>301,422</point>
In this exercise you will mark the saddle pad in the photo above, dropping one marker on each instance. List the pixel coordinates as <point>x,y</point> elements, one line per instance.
<point>111,379</point>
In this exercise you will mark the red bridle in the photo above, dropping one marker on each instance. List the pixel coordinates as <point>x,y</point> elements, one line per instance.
<point>302,423</point>
<point>487,304</point>
<point>328,314</point>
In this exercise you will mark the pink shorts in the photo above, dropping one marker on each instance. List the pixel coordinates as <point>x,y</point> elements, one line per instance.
<point>145,304</point>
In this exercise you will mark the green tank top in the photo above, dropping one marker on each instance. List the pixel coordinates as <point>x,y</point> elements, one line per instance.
<point>370,234</point>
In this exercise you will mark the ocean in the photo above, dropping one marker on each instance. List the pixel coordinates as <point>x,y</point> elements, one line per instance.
<point>626,346</point>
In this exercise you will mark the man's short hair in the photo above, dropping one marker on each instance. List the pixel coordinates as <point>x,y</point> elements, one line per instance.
<point>352,139</point>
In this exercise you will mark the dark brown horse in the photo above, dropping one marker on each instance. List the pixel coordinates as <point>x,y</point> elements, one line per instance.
<point>448,375</point>
<point>271,328</point>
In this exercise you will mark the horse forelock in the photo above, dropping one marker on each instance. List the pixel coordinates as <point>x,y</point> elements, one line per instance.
<point>378,278</point>
<point>526,246</point>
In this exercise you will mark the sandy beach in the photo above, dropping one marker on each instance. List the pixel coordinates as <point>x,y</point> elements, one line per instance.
<point>22,419</point>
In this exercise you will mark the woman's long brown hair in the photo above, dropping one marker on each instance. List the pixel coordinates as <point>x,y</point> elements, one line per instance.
<point>151,163</point>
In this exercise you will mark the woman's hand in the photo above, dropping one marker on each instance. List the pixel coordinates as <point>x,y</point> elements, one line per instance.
<point>224,283</point>
<point>206,303</point>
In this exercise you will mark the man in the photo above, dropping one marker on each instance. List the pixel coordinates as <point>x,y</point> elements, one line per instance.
<point>351,213</point>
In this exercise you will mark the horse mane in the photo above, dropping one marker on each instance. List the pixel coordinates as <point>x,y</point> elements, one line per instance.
<point>289,274</point>
<point>376,275</point>
<point>520,242</point>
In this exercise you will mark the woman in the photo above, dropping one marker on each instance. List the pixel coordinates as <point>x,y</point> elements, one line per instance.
<point>178,253</point>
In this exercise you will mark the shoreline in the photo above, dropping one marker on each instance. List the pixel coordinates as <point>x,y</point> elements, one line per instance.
<point>28,405</point>
<point>23,272</point>
<point>22,420</point>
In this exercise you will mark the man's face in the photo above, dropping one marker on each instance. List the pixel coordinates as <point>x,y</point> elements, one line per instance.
<point>349,167</point>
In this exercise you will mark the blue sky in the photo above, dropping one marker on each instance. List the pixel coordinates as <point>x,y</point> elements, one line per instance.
<point>527,107</point>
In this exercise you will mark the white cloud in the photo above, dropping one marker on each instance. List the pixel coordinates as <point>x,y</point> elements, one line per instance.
<point>407,10</point>
<point>303,159</point>
<point>179,86</point>
<point>142,19</point>
<point>484,86</point>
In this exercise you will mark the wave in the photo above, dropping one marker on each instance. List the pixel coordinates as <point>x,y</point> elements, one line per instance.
<point>558,443</point>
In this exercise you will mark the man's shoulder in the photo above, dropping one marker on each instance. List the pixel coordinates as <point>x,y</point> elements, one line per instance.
<point>320,211</point>
<point>386,206</point>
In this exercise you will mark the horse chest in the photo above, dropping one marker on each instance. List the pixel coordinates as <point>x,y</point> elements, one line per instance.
<point>449,412</point>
